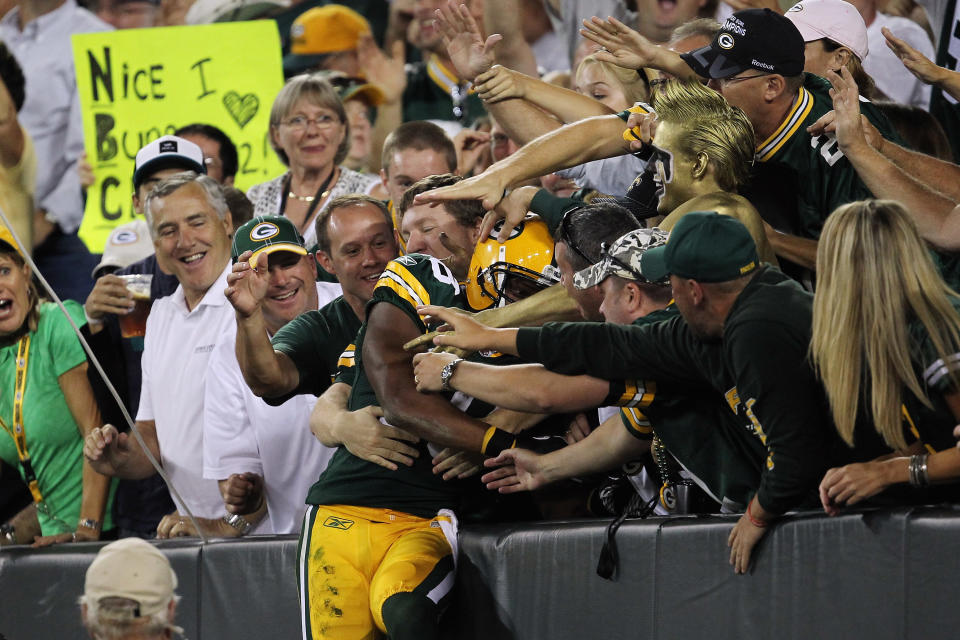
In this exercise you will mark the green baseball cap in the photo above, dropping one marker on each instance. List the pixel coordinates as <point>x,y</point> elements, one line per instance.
<point>704,246</point>
<point>265,234</point>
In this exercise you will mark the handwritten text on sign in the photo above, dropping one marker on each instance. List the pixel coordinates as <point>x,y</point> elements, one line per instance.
<point>139,84</point>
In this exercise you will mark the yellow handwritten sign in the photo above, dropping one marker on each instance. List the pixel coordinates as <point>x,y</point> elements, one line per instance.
<point>139,84</point>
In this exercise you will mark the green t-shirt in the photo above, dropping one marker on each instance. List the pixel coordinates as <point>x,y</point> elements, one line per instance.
<point>316,341</point>
<point>54,442</point>
<point>406,282</point>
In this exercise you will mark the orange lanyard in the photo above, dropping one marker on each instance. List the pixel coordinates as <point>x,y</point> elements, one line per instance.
<point>18,433</point>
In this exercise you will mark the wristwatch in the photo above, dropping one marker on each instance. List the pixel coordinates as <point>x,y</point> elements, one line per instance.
<point>89,523</point>
<point>447,372</point>
<point>238,522</point>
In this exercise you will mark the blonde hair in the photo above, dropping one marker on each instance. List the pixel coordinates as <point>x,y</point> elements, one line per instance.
<point>635,86</point>
<point>710,125</point>
<point>875,275</point>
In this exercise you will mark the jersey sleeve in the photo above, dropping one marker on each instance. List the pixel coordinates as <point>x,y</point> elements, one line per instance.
<point>940,373</point>
<point>414,280</point>
<point>347,365</point>
<point>636,423</point>
<point>663,351</point>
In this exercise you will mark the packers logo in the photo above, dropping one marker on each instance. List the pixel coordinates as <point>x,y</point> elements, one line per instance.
<point>125,236</point>
<point>725,41</point>
<point>338,523</point>
<point>263,231</point>
<point>796,7</point>
<point>517,230</point>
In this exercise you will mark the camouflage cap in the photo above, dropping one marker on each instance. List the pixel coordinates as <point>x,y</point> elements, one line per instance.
<point>622,258</point>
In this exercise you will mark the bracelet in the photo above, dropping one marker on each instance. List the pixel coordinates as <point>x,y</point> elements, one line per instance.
<point>89,523</point>
<point>238,522</point>
<point>496,440</point>
<point>760,524</point>
<point>919,475</point>
<point>447,372</point>
<point>74,534</point>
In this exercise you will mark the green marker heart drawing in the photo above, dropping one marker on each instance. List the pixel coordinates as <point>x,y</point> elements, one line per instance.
<point>241,108</point>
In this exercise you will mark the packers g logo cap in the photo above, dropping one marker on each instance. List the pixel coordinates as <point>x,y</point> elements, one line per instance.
<point>757,39</point>
<point>265,234</point>
<point>703,246</point>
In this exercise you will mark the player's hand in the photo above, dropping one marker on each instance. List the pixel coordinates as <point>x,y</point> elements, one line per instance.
<point>366,437</point>
<point>386,72</point>
<point>517,470</point>
<point>915,62</point>
<point>242,492</point>
<point>427,368</point>
<point>500,83</point>
<point>456,464</point>
<point>109,295</point>
<point>466,333</point>
<point>106,449</point>
<point>579,429</point>
<point>852,483</point>
<point>512,210</point>
<point>247,286</point>
<point>174,525</point>
<point>623,46</point>
<point>85,172</point>
<point>488,187</point>
<point>469,52</point>
<point>742,540</point>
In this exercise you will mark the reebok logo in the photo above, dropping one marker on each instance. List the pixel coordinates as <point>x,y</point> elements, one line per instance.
<point>338,523</point>
<point>762,65</point>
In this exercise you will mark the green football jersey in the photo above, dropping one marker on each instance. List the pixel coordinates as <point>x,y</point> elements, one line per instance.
<point>407,282</point>
<point>798,180</point>
<point>315,342</point>
<point>433,93</point>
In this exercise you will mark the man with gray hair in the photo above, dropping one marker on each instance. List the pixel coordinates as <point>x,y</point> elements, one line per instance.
<point>190,225</point>
<point>129,594</point>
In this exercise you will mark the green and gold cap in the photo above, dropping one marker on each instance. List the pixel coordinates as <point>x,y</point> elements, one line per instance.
<point>704,246</point>
<point>265,234</point>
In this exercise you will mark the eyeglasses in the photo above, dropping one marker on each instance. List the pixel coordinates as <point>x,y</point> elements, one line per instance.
<point>567,239</point>
<point>301,123</point>
<point>723,82</point>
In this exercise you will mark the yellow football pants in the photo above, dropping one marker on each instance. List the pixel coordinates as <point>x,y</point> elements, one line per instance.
<point>353,559</point>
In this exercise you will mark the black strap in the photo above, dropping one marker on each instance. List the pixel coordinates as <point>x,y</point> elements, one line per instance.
<point>609,557</point>
<point>313,203</point>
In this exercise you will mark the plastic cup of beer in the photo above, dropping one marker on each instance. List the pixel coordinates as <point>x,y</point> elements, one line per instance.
<point>134,323</point>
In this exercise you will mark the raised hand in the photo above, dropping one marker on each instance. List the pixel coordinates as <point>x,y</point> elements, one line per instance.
<point>427,368</point>
<point>467,333</point>
<point>387,72</point>
<point>486,187</point>
<point>247,286</point>
<point>468,51</point>
<point>846,105</point>
<point>473,151</point>
<point>512,210</point>
<point>915,62</point>
<point>622,45</point>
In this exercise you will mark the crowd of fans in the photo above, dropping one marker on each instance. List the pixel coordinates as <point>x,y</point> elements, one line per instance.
<point>529,259</point>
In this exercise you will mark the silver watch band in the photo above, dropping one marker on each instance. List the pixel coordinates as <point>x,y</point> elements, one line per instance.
<point>238,522</point>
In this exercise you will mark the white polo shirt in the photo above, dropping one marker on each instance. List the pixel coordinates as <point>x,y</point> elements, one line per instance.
<point>177,348</point>
<point>242,433</point>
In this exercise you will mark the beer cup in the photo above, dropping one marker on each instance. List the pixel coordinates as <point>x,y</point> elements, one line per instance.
<point>134,323</point>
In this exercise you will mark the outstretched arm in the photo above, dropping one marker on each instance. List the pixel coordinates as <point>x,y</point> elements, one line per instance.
<point>626,48</point>
<point>607,447</point>
<point>937,217</point>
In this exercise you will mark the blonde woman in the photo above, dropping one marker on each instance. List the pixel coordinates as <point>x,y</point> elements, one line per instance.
<point>886,343</point>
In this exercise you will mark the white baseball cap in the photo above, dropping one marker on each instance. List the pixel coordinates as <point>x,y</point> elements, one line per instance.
<point>125,245</point>
<point>164,153</point>
<point>133,569</point>
<point>836,20</point>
